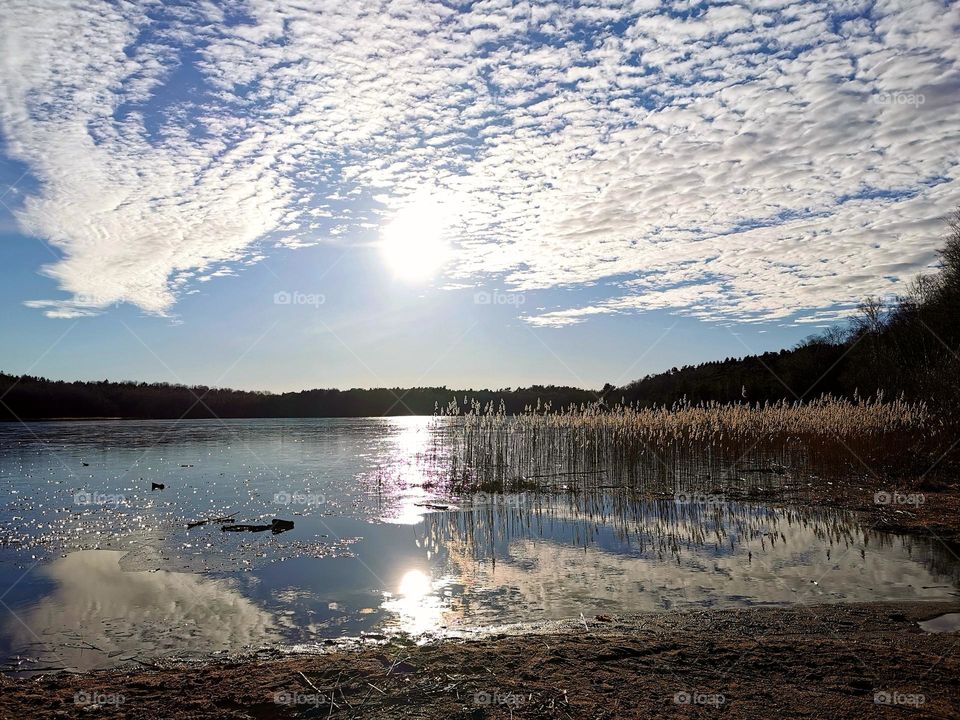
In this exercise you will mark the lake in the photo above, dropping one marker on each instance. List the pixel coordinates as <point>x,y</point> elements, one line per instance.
<point>97,569</point>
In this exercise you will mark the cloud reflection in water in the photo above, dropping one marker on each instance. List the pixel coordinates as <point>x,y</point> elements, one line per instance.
<point>135,614</point>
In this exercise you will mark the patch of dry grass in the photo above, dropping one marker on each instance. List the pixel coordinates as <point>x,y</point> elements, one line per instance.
<point>491,450</point>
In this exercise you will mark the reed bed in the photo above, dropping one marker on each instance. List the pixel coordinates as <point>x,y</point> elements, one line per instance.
<point>582,445</point>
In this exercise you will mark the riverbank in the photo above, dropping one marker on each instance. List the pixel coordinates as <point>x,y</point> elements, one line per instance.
<point>839,661</point>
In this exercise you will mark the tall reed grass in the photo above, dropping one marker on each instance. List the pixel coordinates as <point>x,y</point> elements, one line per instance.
<point>490,450</point>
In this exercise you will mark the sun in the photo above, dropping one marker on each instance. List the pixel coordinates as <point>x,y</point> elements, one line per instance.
<point>414,241</point>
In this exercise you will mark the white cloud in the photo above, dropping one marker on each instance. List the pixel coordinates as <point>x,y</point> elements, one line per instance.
<point>756,161</point>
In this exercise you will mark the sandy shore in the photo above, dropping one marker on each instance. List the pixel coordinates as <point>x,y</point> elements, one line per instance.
<point>840,661</point>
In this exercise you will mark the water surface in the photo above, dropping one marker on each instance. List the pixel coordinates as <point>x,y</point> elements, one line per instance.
<point>97,569</point>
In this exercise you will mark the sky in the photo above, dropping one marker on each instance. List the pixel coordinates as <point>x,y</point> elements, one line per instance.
<point>286,195</point>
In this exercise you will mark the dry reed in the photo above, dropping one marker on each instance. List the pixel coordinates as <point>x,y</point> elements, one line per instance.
<point>490,450</point>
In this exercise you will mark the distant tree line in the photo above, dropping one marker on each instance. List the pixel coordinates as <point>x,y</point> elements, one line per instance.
<point>906,346</point>
<point>28,397</point>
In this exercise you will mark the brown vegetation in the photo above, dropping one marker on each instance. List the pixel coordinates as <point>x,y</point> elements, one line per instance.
<point>840,661</point>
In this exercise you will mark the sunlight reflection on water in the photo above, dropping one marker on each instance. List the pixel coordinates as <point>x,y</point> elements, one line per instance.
<point>374,548</point>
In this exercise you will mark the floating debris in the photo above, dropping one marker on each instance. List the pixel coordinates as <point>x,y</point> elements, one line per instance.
<point>276,527</point>
<point>223,519</point>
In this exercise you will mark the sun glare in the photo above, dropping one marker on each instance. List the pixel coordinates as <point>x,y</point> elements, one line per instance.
<point>417,604</point>
<point>414,584</point>
<point>413,242</point>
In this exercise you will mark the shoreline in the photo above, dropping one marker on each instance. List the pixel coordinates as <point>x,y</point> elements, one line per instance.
<point>841,661</point>
<point>936,518</point>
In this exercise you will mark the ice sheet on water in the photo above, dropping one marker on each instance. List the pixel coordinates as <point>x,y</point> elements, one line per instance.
<point>223,555</point>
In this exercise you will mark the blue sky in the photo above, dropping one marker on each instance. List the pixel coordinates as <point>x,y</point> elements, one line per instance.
<point>473,194</point>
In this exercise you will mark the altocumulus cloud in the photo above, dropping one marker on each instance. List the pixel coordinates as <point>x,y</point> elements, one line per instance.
<point>751,160</point>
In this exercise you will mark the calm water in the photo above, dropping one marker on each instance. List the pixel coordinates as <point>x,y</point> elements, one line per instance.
<point>97,569</point>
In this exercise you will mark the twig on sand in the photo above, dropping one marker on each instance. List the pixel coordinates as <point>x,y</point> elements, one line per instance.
<point>396,661</point>
<point>307,681</point>
<point>343,695</point>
